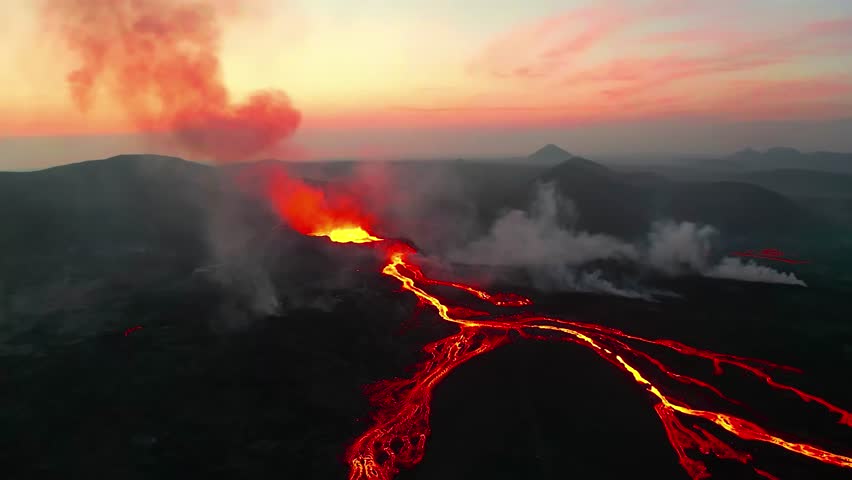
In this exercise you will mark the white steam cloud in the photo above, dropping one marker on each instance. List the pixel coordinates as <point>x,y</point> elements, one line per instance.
<point>563,277</point>
<point>676,248</point>
<point>549,252</point>
<point>536,238</point>
<point>546,244</point>
<point>750,271</point>
<point>681,248</point>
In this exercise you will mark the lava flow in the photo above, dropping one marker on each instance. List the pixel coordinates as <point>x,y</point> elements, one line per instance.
<point>398,435</point>
<point>401,424</point>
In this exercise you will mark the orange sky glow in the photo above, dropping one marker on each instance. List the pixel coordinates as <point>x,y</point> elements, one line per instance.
<point>537,64</point>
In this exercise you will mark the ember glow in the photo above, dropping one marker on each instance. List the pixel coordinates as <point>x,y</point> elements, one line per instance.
<point>315,211</point>
<point>400,427</point>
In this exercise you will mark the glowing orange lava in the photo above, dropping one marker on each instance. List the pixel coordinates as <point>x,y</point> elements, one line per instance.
<point>315,211</point>
<point>401,421</point>
<point>347,235</point>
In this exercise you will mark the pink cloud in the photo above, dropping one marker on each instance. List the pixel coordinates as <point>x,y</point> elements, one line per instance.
<point>533,50</point>
<point>682,72</point>
<point>543,47</point>
<point>757,99</point>
<point>697,36</point>
<point>820,97</point>
<point>629,77</point>
<point>841,26</point>
<point>547,49</point>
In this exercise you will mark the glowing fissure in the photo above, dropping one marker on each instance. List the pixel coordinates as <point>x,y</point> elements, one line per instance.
<point>401,420</point>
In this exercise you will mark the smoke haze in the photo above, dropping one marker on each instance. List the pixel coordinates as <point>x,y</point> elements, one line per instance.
<point>676,248</point>
<point>736,269</point>
<point>685,248</point>
<point>239,261</point>
<point>430,206</point>
<point>544,242</point>
<point>159,60</point>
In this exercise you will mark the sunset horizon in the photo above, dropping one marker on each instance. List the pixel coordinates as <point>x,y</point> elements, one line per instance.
<point>422,79</point>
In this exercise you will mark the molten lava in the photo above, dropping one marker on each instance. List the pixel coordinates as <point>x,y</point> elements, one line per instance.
<point>347,235</point>
<point>314,211</point>
<point>401,421</point>
<point>397,438</point>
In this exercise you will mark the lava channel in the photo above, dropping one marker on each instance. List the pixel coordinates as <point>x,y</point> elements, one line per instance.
<point>400,426</point>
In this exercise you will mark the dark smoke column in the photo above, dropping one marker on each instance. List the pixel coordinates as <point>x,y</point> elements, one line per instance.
<point>159,60</point>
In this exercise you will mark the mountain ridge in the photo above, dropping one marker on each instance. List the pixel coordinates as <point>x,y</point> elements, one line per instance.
<point>126,193</point>
<point>781,158</point>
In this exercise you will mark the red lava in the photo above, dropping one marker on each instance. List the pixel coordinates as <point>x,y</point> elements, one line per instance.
<point>769,254</point>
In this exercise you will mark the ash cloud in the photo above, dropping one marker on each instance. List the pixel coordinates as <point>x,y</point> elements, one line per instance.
<point>159,60</point>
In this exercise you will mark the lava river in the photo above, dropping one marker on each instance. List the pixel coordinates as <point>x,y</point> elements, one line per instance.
<point>400,427</point>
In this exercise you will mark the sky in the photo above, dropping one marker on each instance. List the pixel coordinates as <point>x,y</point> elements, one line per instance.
<point>442,78</point>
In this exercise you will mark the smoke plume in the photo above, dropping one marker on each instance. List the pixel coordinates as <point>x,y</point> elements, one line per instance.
<point>159,60</point>
<point>537,237</point>
<point>306,208</point>
<point>544,242</point>
<point>735,268</point>
<point>562,277</point>
<point>677,248</point>
<point>240,259</point>
<point>683,248</point>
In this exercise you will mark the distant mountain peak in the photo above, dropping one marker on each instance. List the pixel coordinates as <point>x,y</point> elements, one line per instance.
<point>551,150</point>
<point>550,155</point>
<point>565,162</point>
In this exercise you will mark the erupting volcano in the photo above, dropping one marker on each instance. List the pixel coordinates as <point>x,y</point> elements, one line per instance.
<point>159,61</point>
<point>397,438</point>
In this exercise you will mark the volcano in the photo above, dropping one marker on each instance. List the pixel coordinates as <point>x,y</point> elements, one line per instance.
<point>299,350</point>
<point>401,422</point>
